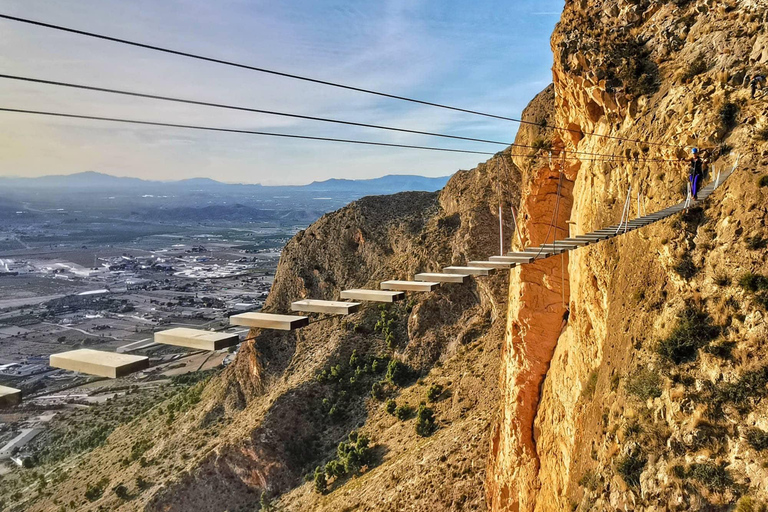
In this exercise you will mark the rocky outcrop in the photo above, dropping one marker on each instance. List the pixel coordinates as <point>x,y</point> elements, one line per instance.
<point>643,71</point>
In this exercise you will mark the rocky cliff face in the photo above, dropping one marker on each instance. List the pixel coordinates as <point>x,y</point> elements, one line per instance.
<point>595,414</point>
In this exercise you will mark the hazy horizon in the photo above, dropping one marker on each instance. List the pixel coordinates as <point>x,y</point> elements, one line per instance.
<point>484,56</point>
<point>175,180</point>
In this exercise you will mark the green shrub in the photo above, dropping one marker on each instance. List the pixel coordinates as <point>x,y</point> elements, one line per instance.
<point>265,503</point>
<point>757,439</point>
<point>722,350</point>
<point>756,242</point>
<point>590,480</point>
<point>425,421</point>
<point>727,115</point>
<point>752,282</point>
<point>749,504</point>
<point>679,471</point>
<point>763,181</point>
<point>631,64</point>
<point>354,453</point>
<point>141,484</point>
<point>354,360</point>
<point>644,384</point>
<point>631,466</point>
<point>398,373</point>
<point>334,469</point>
<point>391,406</point>
<point>696,67</point>
<point>751,385</point>
<point>714,477</point>
<point>335,413</point>
<point>694,330</point>
<point>540,144</point>
<point>615,381</point>
<point>589,388</point>
<point>139,447</point>
<point>386,326</point>
<point>685,267</point>
<point>121,491</point>
<point>434,392</point>
<point>722,280</point>
<point>403,412</point>
<point>95,491</point>
<point>377,390</point>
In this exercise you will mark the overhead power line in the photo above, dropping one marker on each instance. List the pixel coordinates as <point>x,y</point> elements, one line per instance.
<point>244,109</point>
<point>322,82</point>
<point>600,158</point>
<point>275,113</point>
<point>234,130</point>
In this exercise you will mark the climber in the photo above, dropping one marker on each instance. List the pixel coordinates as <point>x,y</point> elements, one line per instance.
<point>696,173</point>
<point>757,81</point>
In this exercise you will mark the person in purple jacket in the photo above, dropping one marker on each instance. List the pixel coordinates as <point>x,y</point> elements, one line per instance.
<point>696,173</point>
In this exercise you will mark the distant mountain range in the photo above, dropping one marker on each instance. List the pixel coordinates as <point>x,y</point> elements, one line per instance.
<point>96,180</point>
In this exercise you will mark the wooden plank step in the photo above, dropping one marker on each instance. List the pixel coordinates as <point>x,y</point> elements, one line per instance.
<point>329,307</point>
<point>9,397</point>
<point>96,362</point>
<point>269,321</point>
<point>472,271</point>
<point>497,265</point>
<point>409,286</point>
<point>373,295</point>
<point>442,278</point>
<point>196,339</point>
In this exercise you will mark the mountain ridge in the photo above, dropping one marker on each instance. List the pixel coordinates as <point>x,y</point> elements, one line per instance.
<point>95,179</point>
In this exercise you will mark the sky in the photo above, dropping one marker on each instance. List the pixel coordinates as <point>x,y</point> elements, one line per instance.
<point>486,55</point>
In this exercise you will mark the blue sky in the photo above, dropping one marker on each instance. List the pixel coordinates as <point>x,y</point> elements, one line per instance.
<point>484,55</point>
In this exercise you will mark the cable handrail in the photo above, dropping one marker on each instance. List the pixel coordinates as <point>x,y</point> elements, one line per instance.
<point>293,136</point>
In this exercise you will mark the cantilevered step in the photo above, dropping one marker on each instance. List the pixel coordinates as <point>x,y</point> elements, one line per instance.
<point>409,286</point>
<point>576,242</point>
<point>373,295</point>
<point>518,258</point>
<point>269,321</point>
<point>96,362</point>
<point>592,237</point>
<point>9,397</point>
<point>196,339</point>
<point>542,252</point>
<point>442,278</point>
<point>329,307</point>
<point>496,265</point>
<point>561,244</point>
<point>538,252</point>
<point>472,271</point>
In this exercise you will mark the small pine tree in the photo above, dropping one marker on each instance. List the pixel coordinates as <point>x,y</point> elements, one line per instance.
<point>121,491</point>
<point>397,372</point>
<point>320,481</point>
<point>354,360</point>
<point>265,504</point>
<point>434,392</point>
<point>425,421</point>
